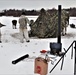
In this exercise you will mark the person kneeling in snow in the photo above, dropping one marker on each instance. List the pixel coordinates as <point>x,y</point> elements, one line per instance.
<point>23,20</point>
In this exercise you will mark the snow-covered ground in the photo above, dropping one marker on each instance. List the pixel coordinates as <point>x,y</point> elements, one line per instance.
<point>11,49</point>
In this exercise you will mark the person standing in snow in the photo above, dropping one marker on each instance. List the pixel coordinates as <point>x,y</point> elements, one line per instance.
<point>23,20</point>
<point>1,25</point>
<point>0,36</point>
<point>14,22</point>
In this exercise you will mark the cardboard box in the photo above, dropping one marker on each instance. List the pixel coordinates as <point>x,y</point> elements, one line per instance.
<point>41,66</point>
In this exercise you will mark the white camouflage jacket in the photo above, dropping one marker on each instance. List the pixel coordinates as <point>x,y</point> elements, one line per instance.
<point>23,21</point>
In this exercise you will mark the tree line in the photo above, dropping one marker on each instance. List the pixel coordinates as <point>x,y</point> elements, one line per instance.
<point>17,13</point>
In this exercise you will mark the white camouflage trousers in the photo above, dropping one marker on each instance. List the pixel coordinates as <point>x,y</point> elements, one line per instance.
<point>0,34</point>
<point>23,34</point>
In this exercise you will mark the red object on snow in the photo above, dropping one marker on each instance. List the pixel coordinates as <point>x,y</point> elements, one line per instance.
<point>43,51</point>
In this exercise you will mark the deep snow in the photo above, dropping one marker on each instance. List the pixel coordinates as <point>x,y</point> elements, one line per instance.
<point>11,49</point>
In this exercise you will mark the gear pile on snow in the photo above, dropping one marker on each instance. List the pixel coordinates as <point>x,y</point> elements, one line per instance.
<point>46,25</point>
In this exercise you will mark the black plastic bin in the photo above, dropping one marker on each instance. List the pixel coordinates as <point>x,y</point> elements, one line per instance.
<point>55,48</point>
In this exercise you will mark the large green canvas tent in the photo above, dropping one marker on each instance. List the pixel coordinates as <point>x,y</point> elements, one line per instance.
<point>46,25</point>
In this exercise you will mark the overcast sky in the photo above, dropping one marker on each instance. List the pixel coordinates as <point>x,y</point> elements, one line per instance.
<point>35,4</point>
